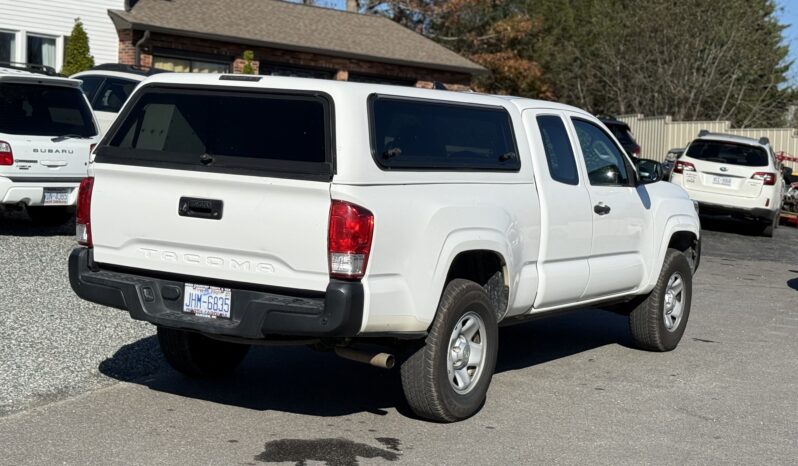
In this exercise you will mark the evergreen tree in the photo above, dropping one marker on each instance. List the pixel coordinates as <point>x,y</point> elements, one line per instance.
<point>77,57</point>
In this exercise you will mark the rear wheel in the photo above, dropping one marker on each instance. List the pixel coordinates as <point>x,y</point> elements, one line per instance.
<point>446,379</point>
<point>199,356</point>
<point>768,229</point>
<point>49,216</point>
<point>659,320</point>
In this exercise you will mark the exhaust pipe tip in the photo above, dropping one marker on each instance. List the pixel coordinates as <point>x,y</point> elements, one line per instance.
<point>381,360</point>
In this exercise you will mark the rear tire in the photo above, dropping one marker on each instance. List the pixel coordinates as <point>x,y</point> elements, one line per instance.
<point>49,216</point>
<point>196,355</point>
<point>767,230</point>
<point>446,379</point>
<point>658,322</point>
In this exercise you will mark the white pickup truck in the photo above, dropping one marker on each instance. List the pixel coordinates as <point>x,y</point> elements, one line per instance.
<point>235,210</point>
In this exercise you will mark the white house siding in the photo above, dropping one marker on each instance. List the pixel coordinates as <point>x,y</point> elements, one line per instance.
<point>55,18</point>
<point>657,135</point>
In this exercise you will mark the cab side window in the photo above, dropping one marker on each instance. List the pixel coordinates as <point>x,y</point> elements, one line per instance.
<point>557,146</point>
<point>605,163</point>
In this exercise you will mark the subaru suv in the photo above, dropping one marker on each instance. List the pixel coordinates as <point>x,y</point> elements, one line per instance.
<point>47,131</point>
<point>732,175</point>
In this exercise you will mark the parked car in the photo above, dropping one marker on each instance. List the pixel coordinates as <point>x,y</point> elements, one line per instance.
<point>235,210</point>
<point>108,87</point>
<point>670,161</point>
<point>47,131</point>
<point>732,175</point>
<point>623,134</point>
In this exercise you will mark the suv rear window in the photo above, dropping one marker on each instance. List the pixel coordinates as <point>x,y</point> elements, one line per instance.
<point>225,131</point>
<point>423,134</point>
<point>42,110</point>
<point>728,152</point>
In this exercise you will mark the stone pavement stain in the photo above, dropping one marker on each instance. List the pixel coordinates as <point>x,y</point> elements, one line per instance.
<point>331,451</point>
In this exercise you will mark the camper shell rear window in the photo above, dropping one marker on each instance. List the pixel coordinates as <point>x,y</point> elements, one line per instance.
<point>225,130</point>
<point>420,134</point>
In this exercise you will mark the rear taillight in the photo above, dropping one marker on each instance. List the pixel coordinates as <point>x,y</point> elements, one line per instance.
<point>768,179</point>
<point>349,240</point>
<point>83,216</point>
<point>636,150</point>
<point>682,167</point>
<point>91,148</point>
<point>6,155</point>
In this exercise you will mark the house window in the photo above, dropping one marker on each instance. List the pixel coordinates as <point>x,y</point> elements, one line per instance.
<point>7,46</point>
<point>41,50</point>
<point>187,65</point>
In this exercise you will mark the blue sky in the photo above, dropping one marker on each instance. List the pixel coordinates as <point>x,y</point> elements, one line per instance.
<point>788,14</point>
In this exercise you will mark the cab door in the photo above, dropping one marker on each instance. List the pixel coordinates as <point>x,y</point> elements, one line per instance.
<point>621,211</point>
<point>566,216</point>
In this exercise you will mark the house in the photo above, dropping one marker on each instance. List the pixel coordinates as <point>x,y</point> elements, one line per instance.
<point>35,31</point>
<point>287,39</point>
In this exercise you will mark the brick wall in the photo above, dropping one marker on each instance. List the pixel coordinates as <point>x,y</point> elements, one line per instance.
<point>231,52</point>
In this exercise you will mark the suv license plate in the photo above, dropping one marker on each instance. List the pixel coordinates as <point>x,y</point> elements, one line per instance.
<point>207,301</point>
<point>721,180</point>
<point>56,196</point>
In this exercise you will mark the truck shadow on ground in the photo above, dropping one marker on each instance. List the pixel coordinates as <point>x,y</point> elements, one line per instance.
<point>301,381</point>
<point>17,223</point>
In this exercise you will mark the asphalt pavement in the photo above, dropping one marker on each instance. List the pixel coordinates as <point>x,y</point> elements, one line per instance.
<point>81,384</point>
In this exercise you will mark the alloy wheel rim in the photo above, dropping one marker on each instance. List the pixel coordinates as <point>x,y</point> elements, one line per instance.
<point>466,353</point>
<point>674,302</point>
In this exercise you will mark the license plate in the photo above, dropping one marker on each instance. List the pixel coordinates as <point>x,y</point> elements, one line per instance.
<point>721,180</point>
<point>56,196</point>
<point>207,301</point>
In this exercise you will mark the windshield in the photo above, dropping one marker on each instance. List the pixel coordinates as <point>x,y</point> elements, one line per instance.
<point>728,152</point>
<point>40,110</point>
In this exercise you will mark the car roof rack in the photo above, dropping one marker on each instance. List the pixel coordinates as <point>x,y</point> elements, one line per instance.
<point>703,132</point>
<point>29,67</point>
<point>127,69</point>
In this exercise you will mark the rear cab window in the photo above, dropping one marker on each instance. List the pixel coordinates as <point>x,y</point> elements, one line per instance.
<point>418,134</point>
<point>557,146</point>
<point>728,152</point>
<point>44,110</point>
<point>225,130</point>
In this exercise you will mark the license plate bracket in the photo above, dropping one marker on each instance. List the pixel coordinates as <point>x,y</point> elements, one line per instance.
<point>54,196</point>
<point>207,301</point>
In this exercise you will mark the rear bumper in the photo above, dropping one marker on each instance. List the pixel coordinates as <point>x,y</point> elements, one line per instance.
<point>31,191</point>
<point>255,315</point>
<point>756,213</point>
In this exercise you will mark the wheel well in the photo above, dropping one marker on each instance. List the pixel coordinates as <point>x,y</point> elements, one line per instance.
<point>687,242</point>
<point>486,268</point>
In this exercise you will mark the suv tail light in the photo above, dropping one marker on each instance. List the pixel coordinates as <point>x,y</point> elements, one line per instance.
<point>768,179</point>
<point>6,155</point>
<point>349,237</point>
<point>637,151</point>
<point>682,167</point>
<point>83,216</point>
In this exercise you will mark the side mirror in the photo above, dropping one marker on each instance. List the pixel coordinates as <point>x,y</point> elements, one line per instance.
<point>649,171</point>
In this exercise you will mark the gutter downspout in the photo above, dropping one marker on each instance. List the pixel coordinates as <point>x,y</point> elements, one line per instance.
<point>139,44</point>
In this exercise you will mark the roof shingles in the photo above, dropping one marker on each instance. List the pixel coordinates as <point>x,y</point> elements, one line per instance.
<point>291,26</point>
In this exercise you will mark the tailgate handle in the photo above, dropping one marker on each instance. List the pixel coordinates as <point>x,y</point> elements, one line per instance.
<point>200,208</point>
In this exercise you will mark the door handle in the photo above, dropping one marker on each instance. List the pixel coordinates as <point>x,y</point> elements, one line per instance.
<point>200,208</point>
<point>601,208</point>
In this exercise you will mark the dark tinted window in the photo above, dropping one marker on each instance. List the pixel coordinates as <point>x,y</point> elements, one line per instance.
<point>90,84</point>
<point>559,154</point>
<point>417,134</point>
<point>728,153</point>
<point>39,110</point>
<point>113,94</point>
<point>604,161</point>
<point>237,130</point>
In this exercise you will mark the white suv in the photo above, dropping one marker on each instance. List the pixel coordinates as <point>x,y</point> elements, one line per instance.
<point>108,86</point>
<point>732,175</point>
<point>47,131</point>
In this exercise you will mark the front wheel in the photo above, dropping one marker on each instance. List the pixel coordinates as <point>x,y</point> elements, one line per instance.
<point>446,379</point>
<point>199,356</point>
<point>659,320</point>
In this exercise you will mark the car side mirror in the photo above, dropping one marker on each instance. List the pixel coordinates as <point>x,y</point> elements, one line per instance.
<point>649,171</point>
